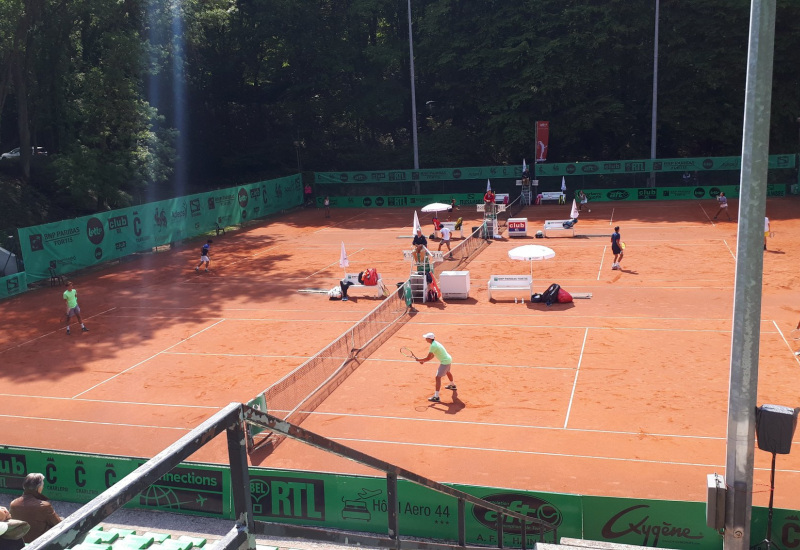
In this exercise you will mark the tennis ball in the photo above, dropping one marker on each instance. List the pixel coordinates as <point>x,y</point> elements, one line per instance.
<point>590,210</point>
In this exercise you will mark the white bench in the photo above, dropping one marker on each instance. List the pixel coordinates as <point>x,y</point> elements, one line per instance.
<point>553,196</point>
<point>452,227</point>
<point>510,282</point>
<point>353,278</point>
<point>558,226</point>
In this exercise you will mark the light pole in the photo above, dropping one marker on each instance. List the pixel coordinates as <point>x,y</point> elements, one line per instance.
<point>413,98</point>
<point>653,118</point>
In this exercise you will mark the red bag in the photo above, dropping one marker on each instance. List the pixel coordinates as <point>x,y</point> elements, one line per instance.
<point>564,297</point>
<point>370,277</point>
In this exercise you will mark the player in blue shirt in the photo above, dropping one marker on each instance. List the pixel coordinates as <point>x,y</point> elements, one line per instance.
<point>204,256</point>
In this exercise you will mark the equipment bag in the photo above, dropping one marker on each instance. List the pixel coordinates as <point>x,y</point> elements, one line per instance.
<point>335,293</point>
<point>370,277</point>
<point>536,298</point>
<point>564,297</point>
<point>550,296</point>
<point>459,221</point>
<point>432,295</point>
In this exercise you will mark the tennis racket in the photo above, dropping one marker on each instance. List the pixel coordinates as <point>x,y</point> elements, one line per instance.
<point>408,353</point>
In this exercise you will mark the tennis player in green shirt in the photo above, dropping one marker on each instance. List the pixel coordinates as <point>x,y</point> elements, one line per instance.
<point>71,297</point>
<point>445,361</point>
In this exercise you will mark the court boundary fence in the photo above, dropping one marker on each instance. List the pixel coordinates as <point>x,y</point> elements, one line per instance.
<point>233,420</point>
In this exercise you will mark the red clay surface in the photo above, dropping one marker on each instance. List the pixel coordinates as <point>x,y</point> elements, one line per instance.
<point>624,394</point>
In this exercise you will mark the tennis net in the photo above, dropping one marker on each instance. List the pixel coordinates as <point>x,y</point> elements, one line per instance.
<point>466,250</point>
<point>295,396</point>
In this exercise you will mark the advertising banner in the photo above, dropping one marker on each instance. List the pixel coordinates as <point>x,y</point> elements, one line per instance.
<point>70,245</point>
<point>542,140</point>
<point>699,164</point>
<point>74,477</point>
<point>401,176</point>
<point>614,194</point>
<point>359,503</point>
<point>656,165</point>
<point>13,285</point>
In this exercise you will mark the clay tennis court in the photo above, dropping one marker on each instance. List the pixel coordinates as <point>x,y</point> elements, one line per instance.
<point>624,394</point>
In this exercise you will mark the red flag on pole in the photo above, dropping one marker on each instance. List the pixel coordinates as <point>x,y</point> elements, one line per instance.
<point>542,139</point>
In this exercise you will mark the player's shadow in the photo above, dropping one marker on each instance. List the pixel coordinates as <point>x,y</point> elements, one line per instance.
<point>449,408</point>
<point>629,271</point>
<point>775,251</point>
<point>552,307</point>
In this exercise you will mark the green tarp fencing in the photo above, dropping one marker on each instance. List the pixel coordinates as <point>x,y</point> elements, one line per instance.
<point>12,285</point>
<point>358,503</point>
<point>78,243</point>
<point>700,164</point>
<point>594,195</point>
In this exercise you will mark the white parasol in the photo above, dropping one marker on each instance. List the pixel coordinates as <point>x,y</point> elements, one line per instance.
<point>563,184</point>
<point>343,261</point>
<point>531,252</point>
<point>436,207</point>
<point>574,212</point>
<point>416,224</point>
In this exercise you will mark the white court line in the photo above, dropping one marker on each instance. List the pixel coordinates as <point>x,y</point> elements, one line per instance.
<point>108,401</point>
<point>53,332</point>
<point>95,423</point>
<point>729,248</point>
<point>333,263</point>
<point>521,452</point>
<point>267,319</point>
<point>146,360</point>
<point>611,219</point>
<point>602,259</point>
<point>462,364</point>
<point>521,426</point>
<point>338,223</point>
<point>236,355</point>
<point>706,214</point>
<point>788,345</point>
<point>561,328</point>
<point>575,381</point>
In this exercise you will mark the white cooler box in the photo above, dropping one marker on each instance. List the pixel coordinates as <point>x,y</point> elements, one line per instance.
<point>454,284</point>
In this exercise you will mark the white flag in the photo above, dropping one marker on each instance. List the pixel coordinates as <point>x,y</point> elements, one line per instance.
<point>574,213</point>
<point>488,186</point>
<point>563,184</point>
<point>343,261</point>
<point>416,223</point>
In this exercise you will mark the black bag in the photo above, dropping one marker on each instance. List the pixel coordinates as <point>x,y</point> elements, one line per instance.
<point>550,296</point>
<point>536,298</point>
<point>432,295</point>
<point>429,277</point>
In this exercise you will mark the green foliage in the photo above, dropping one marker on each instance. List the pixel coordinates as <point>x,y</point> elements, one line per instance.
<point>135,96</point>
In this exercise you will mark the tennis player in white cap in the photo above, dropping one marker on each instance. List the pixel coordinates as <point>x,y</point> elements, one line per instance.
<point>445,361</point>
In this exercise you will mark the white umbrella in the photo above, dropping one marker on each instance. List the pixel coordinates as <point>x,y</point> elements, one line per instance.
<point>435,207</point>
<point>416,224</point>
<point>343,261</point>
<point>574,213</point>
<point>563,184</point>
<point>488,186</point>
<point>531,252</point>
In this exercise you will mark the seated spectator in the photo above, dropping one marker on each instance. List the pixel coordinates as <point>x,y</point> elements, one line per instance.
<point>33,507</point>
<point>11,531</point>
